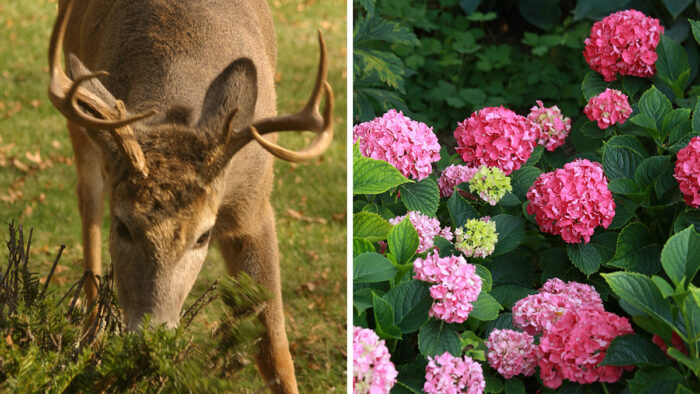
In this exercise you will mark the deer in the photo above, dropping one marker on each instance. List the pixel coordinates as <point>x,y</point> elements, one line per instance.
<point>178,129</point>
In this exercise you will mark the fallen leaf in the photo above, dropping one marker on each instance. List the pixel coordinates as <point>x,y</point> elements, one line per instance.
<point>8,340</point>
<point>56,145</point>
<point>299,216</point>
<point>33,157</point>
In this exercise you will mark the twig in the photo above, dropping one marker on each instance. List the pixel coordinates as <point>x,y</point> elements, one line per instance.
<point>197,306</point>
<point>53,267</point>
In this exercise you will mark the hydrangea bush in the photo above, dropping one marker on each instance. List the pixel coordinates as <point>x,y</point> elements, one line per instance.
<point>542,252</point>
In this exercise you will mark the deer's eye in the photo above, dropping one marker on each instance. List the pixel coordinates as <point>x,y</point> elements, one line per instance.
<point>123,231</point>
<point>203,239</point>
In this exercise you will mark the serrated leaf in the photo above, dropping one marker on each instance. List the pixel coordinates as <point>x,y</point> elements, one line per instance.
<point>375,28</point>
<point>650,169</point>
<point>685,219</point>
<point>372,267</point>
<point>680,256</point>
<point>384,319</point>
<point>593,84</point>
<point>620,162</point>
<point>624,211</point>
<point>655,381</point>
<point>676,7</point>
<point>673,120</point>
<point>370,226</point>
<point>633,349</point>
<point>522,180</point>
<point>672,65</point>
<point>511,231</point>
<point>403,241</point>
<point>423,196</point>
<point>411,302</point>
<point>637,250</point>
<point>509,294</point>
<point>360,246</point>
<point>695,27</point>
<point>597,9</point>
<point>486,307</point>
<point>585,257</point>
<point>374,176</point>
<point>362,298</point>
<point>438,337</point>
<point>655,104</point>
<point>460,210</point>
<point>485,275</point>
<point>640,292</point>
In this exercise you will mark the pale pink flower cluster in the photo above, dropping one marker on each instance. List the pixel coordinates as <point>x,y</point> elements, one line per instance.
<point>455,285</point>
<point>576,343</point>
<point>372,370</point>
<point>496,137</point>
<point>625,43</point>
<point>512,353</point>
<point>447,374</point>
<point>608,108</point>
<point>554,127</point>
<point>536,313</point>
<point>428,228</point>
<point>453,176</point>
<point>572,201</point>
<point>406,144</point>
<point>687,172</point>
<point>576,332</point>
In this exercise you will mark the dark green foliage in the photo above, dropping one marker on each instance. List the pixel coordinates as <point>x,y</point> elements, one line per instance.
<point>47,344</point>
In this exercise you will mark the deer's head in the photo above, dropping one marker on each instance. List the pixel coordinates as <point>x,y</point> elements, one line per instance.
<point>166,179</point>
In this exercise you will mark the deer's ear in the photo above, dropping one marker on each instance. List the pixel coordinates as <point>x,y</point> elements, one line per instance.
<point>76,68</point>
<point>235,88</point>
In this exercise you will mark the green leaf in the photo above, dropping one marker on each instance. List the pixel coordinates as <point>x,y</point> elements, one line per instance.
<point>509,294</point>
<point>511,231</point>
<point>514,386</point>
<point>637,250</point>
<point>423,196</point>
<point>655,381</point>
<point>411,302</point>
<point>585,257</point>
<point>362,298</point>
<point>695,27</point>
<point>650,169</point>
<point>368,5</point>
<point>375,28</point>
<point>645,121</point>
<point>696,118</point>
<point>692,363</point>
<point>438,337</point>
<point>675,119</point>
<point>593,84</point>
<point>469,6</point>
<point>680,256</point>
<point>663,286</point>
<point>360,246</point>
<point>403,241</point>
<point>676,7</point>
<point>640,292</point>
<point>627,187</point>
<point>522,180</point>
<point>460,210</point>
<point>374,176</point>
<point>672,65</point>
<point>372,267</point>
<point>597,9</point>
<point>687,218</point>
<point>624,211</point>
<point>370,226</point>
<point>384,319</point>
<point>485,274</point>
<point>655,104</point>
<point>486,307</point>
<point>535,157</point>
<point>620,162</point>
<point>633,349</point>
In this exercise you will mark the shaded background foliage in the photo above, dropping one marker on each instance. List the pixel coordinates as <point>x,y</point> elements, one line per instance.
<point>439,61</point>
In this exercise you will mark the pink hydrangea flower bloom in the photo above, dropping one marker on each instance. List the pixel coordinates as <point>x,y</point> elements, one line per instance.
<point>455,285</point>
<point>453,176</point>
<point>578,293</point>
<point>687,172</point>
<point>608,108</point>
<point>512,353</point>
<point>572,201</point>
<point>676,342</point>
<point>428,228</point>
<point>496,137</point>
<point>372,371</point>
<point>554,127</point>
<point>576,343</point>
<point>625,43</point>
<point>408,145</point>
<point>447,374</point>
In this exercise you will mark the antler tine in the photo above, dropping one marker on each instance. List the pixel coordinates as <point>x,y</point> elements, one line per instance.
<point>65,93</point>
<point>308,118</point>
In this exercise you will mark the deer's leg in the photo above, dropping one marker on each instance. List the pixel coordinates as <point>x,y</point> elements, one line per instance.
<point>90,201</point>
<point>256,254</point>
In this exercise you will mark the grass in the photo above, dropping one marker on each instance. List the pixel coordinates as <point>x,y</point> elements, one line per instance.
<point>37,180</point>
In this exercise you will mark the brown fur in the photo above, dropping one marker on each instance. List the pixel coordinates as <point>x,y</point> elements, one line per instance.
<point>195,62</point>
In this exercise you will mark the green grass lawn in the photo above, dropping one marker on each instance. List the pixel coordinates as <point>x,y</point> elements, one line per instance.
<point>37,180</point>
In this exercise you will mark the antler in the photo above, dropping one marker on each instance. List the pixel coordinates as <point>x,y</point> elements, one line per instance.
<point>308,118</point>
<point>65,94</point>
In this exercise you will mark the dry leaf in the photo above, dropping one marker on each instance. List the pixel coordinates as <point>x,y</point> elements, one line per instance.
<point>33,157</point>
<point>299,216</point>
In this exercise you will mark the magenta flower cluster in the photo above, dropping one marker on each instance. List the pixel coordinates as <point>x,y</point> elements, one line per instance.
<point>496,137</point>
<point>575,332</point>
<point>408,145</point>
<point>512,353</point>
<point>453,176</point>
<point>372,370</point>
<point>455,285</point>
<point>428,228</point>
<point>553,126</point>
<point>447,374</point>
<point>572,201</point>
<point>623,43</point>
<point>687,172</point>
<point>608,108</point>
